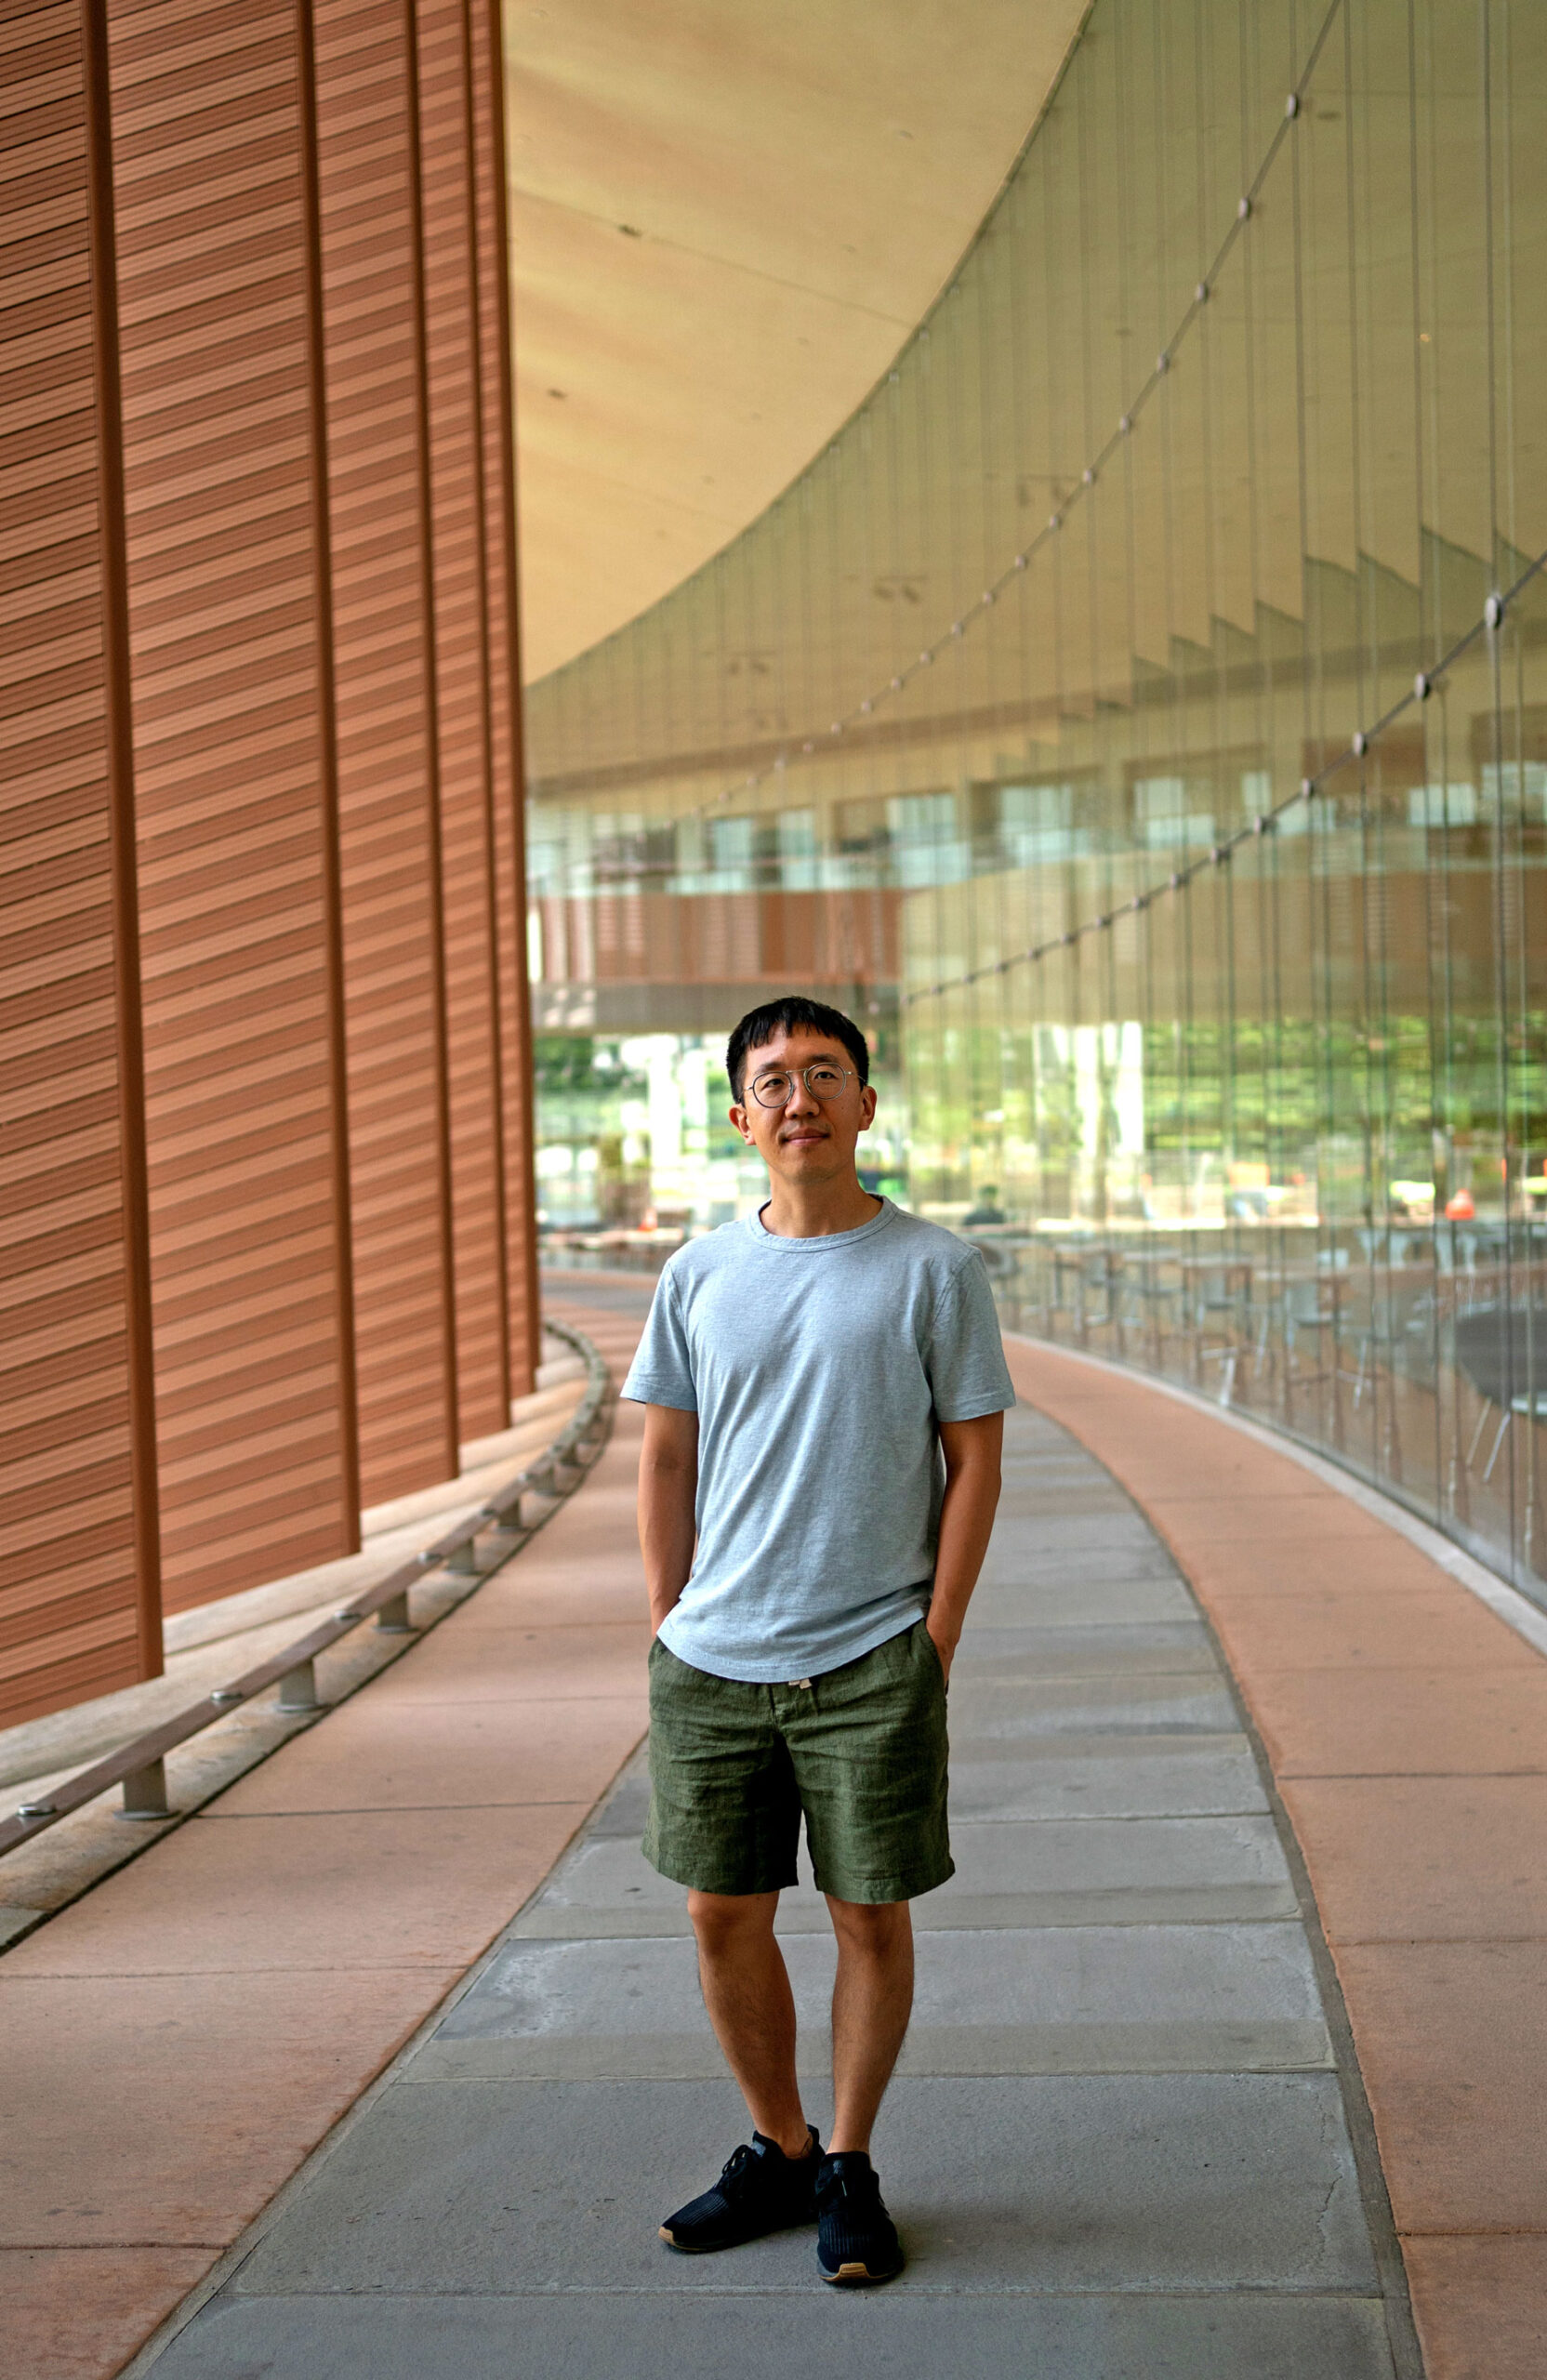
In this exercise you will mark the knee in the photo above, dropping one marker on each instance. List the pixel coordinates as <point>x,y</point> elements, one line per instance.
<point>872,1929</point>
<point>724,1923</point>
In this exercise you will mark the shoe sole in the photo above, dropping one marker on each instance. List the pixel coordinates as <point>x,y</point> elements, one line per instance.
<point>856,2276</point>
<point>718,2247</point>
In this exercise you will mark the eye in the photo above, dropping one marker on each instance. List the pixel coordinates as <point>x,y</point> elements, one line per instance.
<point>825,1078</point>
<point>772,1090</point>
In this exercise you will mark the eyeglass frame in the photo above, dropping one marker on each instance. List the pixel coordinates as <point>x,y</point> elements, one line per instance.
<point>799,1074</point>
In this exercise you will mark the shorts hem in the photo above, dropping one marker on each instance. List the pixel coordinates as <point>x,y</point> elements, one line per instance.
<point>876,1891</point>
<point>677,1872</point>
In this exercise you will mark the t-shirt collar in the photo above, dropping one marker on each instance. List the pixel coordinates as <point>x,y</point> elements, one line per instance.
<point>823,1240</point>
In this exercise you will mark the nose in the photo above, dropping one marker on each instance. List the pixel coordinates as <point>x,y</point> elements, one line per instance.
<point>800,1102</point>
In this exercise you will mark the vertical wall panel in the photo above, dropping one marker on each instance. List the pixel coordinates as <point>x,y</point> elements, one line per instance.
<point>78,1607</point>
<point>263,1030</point>
<point>232,755</point>
<point>389,763</point>
<point>461,645</point>
<point>509,772</point>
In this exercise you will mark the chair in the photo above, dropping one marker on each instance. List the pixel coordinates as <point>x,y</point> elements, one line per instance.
<point>1502,1351</point>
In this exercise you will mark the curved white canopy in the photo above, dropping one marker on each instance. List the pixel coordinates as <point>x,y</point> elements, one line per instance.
<point>725,220</point>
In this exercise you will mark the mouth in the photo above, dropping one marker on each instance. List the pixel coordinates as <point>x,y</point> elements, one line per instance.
<point>806,1137</point>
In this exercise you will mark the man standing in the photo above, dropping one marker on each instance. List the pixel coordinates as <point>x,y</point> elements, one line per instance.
<point>826,1390</point>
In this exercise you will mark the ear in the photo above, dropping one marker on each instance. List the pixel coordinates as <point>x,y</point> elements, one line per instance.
<point>739,1118</point>
<point>866,1107</point>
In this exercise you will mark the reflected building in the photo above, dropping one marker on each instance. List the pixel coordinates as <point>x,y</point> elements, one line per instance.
<point>1137,717</point>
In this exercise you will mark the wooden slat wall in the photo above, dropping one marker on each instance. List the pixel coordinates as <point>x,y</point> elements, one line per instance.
<point>388,757</point>
<point>78,1609</point>
<point>506,758</point>
<point>228,596</point>
<point>461,666</point>
<point>265,1175</point>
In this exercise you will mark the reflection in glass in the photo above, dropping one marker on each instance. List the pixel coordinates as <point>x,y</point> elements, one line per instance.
<point>1137,719</point>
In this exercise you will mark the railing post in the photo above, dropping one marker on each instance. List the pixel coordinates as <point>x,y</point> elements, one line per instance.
<point>297,1688</point>
<point>464,1559</point>
<point>145,1792</point>
<point>392,1619</point>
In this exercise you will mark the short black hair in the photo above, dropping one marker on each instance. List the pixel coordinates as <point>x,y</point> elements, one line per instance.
<point>793,1014</point>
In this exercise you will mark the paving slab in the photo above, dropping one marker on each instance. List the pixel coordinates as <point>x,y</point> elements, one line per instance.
<point>1457,2049</point>
<point>1131,1870</point>
<point>1400,1722</point>
<point>248,1896</point>
<point>168,2109</point>
<point>1432,1857</point>
<point>986,1702</point>
<point>994,1779</point>
<point>1038,1567</point>
<point>1481,2302</point>
<point>507,1660</point>
<point>441,1756</point>
<point>1006,1656</point>
<point>996,2185</point>
<point>1109,1530</point>
<point>1344,1628</point>
<point>1198,1974</point>
<point>593,2334</point>
<point>1006,1602</point>
<point>1214,1520</point>
<point>71,2313</point>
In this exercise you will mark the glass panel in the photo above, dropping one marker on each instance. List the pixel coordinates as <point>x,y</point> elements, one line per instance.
<point>1191,493</point>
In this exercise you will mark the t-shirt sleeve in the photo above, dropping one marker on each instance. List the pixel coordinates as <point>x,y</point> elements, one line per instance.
<point>661,1372</point>
<point>968,1373</point>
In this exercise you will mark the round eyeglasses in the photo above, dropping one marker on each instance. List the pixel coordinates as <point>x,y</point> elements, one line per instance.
<point>825,1081</point>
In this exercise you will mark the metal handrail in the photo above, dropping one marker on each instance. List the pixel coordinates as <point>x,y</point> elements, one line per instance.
<point>139,1766</point>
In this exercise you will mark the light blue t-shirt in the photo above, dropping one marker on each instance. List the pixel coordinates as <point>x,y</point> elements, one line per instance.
<point>818,1370</point>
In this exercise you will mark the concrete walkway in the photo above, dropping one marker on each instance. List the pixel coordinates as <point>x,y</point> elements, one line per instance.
<point>1127,2141</point>
<point>176,2044</point>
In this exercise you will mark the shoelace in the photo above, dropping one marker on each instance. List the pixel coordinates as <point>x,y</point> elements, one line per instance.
<point>736,2170</point>
<point>857,2186</point>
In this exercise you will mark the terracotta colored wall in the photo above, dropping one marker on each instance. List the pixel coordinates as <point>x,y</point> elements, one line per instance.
<point>497,421</point>
<point>77,1540</point>
<point>461,665</point>
<point>228,617</point>
<point>389,748</point>
<point>259,802</point>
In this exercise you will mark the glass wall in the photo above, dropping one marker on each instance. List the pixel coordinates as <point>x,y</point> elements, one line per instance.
<point>1137,716</point>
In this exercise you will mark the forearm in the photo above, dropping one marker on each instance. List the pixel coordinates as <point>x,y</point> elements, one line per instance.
<point>665,1539</point>
<point>668,1495</point>
<point>972,1451</point>
<point>966,1524</point>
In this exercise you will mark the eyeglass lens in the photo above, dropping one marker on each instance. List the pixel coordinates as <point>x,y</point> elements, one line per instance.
<point>774,1089</point>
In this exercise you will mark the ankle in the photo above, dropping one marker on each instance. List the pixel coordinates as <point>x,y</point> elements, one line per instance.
<point>794,2145</point>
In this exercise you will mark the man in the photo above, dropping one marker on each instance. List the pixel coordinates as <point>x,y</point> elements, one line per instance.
<point>824,1390</point>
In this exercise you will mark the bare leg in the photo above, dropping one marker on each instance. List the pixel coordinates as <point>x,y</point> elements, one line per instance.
<point>872,2002</point>
<point>751,2008</point>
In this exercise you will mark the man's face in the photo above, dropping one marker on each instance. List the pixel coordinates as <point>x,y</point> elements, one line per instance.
<point>807,1139</point>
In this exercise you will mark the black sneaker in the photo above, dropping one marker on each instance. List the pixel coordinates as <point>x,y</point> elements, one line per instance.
<point>856,2240</point>
<point>760,2190</point>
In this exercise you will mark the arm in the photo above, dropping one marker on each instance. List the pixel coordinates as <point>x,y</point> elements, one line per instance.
<point>971,1453</point>
<point>668,1484</point>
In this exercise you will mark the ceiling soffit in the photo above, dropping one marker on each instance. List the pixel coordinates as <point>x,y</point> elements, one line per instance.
<point>725,220</point>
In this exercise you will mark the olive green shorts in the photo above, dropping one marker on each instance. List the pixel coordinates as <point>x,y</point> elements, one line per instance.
<point>860,1752</point>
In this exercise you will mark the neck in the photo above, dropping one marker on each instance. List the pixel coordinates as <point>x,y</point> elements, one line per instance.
<point>812,1210</point>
